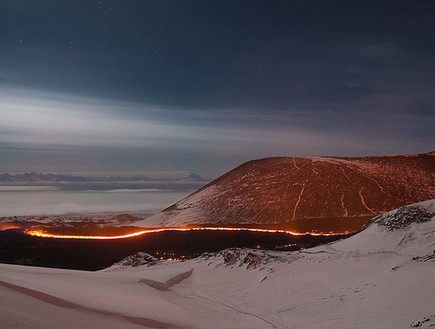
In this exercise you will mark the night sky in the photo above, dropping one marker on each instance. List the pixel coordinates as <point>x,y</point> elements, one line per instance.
<point>156,86</point>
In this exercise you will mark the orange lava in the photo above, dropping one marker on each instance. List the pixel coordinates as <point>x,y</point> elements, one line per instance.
<point>43,234</point>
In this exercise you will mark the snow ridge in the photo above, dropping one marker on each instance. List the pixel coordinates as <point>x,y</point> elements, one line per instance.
<point>244,257</point>
<point>137,259</point>
<point>404,216</point>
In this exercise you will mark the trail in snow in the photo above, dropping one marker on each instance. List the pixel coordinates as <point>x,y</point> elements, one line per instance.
<point>343,205</point>
<point>302,192</point>
<point>264,208</point>
<point>299,199</point>
<point>255,315</point>
<point>344,174</point>
<point>363,201</point>
<point>168,284</point>
<point>373,180</point>
<point>294,162</point>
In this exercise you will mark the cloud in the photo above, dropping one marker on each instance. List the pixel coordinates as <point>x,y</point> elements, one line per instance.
<point>58,132</point>
<point>64,120</point>
<point>65,202</point>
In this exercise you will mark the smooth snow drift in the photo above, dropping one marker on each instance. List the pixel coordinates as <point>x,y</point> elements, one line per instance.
<point>381,277</point>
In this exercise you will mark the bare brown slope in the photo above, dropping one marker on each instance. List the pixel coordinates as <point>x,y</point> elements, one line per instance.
<point>306,194</point>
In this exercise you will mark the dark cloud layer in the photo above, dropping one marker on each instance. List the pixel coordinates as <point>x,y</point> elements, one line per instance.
<point>213,83</point>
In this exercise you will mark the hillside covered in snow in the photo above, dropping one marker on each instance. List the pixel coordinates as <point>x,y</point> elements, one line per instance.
<point>305,194</point>
<point>381,277</point>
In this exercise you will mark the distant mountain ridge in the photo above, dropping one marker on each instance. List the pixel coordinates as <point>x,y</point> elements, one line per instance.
<point>34,177</point>
<point>306,194</point>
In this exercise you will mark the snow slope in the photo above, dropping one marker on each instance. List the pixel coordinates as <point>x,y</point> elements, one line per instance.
<point>305,194</point>
<point>381,277</point>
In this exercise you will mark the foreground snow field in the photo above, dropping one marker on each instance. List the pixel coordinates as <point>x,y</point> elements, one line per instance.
<point>381,277</point>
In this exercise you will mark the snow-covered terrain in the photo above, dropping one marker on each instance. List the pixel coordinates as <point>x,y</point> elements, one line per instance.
<point>304,194</point>
<point>381,277</point>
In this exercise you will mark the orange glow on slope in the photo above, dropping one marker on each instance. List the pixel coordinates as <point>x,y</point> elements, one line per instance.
<point>43,234</point>
<point>5,226</point>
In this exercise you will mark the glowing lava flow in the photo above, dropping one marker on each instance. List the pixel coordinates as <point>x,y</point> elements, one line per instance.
<point>42,234</point>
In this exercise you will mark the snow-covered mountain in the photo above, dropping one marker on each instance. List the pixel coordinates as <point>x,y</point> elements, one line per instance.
<point>305,194</point>
<point>34,177</point>
<point>381,277</point>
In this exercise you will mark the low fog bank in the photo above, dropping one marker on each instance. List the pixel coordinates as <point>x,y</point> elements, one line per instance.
<point>46,202</point>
